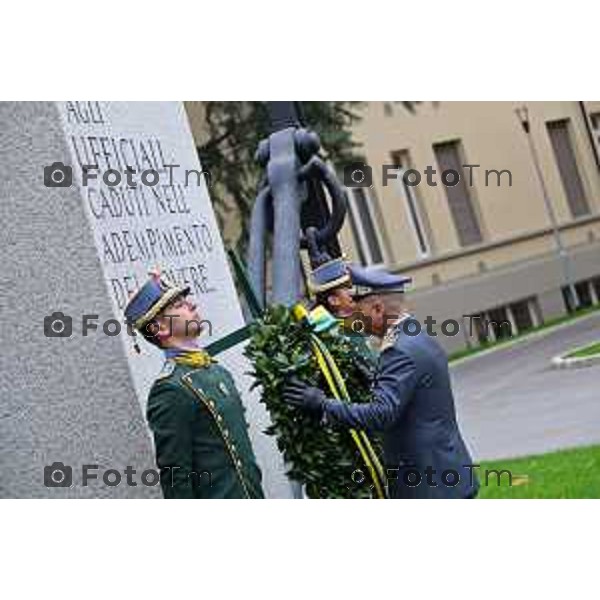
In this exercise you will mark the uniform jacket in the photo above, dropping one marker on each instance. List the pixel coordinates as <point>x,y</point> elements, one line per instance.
<point>200,434</point>
<point>413,408</point>
<point>362,349</point>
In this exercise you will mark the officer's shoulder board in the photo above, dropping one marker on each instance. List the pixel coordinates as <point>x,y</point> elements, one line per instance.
<point>167,370</point>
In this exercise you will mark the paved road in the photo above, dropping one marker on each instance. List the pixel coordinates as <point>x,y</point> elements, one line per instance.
<point>512,403</point>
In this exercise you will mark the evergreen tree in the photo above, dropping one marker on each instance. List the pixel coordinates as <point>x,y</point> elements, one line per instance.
<point>234,130</point>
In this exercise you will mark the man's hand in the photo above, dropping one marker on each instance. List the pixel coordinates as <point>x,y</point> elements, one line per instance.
<point>365,374</point>
<point>308,398</point>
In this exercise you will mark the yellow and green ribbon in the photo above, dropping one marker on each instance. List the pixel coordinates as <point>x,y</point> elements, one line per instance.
<point>337,386</point>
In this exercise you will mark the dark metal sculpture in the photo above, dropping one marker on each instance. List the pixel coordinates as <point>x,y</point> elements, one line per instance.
<point>291,206</point>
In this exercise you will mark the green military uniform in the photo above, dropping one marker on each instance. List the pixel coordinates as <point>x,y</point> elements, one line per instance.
<point>200,434</point>
<point>361,348</point>
<point>327,275</point>
<point>195,413</point>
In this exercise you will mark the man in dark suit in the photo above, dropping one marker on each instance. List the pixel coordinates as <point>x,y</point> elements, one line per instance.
<point>412,404</point>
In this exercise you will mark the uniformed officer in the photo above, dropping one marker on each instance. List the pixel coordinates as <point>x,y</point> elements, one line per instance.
<point>412,404</point>
<point>194,408</point>
<point>331,282</point>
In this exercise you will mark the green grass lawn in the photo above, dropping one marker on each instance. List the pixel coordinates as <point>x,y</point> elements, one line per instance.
<point>586,351</point>
<point>564,474</point>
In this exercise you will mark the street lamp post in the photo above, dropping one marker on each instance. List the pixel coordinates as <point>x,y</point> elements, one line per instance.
<point>522,113</point>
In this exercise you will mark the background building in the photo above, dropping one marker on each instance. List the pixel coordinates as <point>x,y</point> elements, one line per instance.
<point>488,246</point>
<point>485,246</point>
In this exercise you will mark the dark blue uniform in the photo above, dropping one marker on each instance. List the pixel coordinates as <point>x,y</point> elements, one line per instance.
<point>413,407</point>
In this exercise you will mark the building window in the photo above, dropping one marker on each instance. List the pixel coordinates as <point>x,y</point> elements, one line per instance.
<point>521,313</point>
<point>584,294</point>
<point>567,296</point>
<point>416,216</point>
<point>596,289</point>
<point>499,323</point>
<point>566,162</point>
<point>504,322</point>
<point>595,125</point>
<point>364,226</point>
<point>448,156</point>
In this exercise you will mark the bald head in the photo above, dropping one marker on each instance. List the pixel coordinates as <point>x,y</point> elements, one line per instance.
<point>381,310</point>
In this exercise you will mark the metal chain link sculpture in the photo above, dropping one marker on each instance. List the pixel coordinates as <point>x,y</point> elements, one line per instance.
<point>291,162</point>
<point>290,158</point>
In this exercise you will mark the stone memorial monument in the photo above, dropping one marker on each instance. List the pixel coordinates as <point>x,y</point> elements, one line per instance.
<point>92,196</point>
